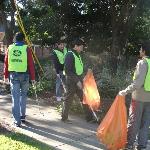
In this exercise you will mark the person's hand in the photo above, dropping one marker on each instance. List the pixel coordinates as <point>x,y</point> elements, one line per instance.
<point>89,70</point>
<point>79,84</point>
<point>6,80</point>
<point>33,83</point>
<point>58,75</point>
<point>122,93</point>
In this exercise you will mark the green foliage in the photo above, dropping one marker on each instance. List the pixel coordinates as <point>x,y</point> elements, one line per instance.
<point>40,86</point>
<point>39,19</point>
<point>142,27</point>
<point>44,82</point>
<point>100,22</point>
<point>140,31</point>
<point>110,84</point>
<point>17,141</point>
<point>45,21</point>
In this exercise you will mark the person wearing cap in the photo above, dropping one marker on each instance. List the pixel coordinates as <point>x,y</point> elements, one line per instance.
<point>73,67</point>
<point>58,61</point>
<point>19,68</point>
<point>139,111</point>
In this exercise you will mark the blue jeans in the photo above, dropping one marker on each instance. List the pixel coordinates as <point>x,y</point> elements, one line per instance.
<point>59,87</point>
<point>19,83</point>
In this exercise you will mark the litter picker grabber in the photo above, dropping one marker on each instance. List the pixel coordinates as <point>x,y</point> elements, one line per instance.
<point>91,95</point>
<point>36,97</point>
<point>65,91</point>
<point>94,114</point>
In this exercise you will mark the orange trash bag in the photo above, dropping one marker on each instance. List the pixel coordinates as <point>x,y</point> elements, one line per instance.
<point>112,131</point>
<point>91,95</point>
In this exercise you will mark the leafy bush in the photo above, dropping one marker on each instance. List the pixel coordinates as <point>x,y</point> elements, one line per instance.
<point>109,84</point>
<point>46,81</point>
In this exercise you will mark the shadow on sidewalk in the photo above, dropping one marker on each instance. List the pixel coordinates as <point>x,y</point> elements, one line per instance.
<point>62,136</point>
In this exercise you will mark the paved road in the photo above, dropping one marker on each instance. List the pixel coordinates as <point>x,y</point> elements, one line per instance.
<point>44,124</point>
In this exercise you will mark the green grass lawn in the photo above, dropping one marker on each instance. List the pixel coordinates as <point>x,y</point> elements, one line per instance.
<point>17,141</point>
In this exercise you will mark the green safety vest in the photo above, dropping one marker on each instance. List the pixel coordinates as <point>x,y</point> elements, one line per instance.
<point>17,58</point>
<point>78,63</point>
<point>147,79</point>
<point>60,56</point>
<point>65,51</point>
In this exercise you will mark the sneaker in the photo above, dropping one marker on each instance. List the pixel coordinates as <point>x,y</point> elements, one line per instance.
<point>16,125</point>
<point>129,148</point>
<point>23,119</point>
<point>91,120</point>
<point>63,98</point>
<point>58,99</point>
<point>67,121</point>
<point>140,148</point>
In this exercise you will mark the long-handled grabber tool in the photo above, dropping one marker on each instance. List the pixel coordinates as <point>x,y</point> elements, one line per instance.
<point>36,97</point>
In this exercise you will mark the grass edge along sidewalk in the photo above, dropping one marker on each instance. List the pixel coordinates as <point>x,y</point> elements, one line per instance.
<point>11,139</point>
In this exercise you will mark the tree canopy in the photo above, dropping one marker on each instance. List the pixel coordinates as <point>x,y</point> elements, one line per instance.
<point>110,25</point>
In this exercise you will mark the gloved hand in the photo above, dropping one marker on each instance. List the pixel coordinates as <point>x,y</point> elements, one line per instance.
<point>79,84</point>
<point>123,93</point>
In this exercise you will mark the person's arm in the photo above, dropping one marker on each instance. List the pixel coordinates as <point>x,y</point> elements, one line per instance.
<point>70,68</point>
<point>6,73</point>
<point>55,62</point>
<point>30,64</point>
<point>140,74</point>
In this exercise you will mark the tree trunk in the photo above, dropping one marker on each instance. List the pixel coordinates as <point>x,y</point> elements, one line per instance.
<point>8,25</point>
<point>121,27</point>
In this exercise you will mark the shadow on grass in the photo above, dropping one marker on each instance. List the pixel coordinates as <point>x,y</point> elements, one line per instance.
<point>18,140</point>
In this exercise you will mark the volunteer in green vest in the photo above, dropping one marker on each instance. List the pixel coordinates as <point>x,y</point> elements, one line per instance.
<point>139,112</point>
<point>58,61</point>
<point>19,68</point>
<point>73,67</point>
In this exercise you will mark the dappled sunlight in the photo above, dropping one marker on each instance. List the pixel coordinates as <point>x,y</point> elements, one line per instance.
<point>48,128</point>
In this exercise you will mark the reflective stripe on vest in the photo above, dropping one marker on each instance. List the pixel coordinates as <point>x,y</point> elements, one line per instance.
<point>78,63</point>
<point>60,56</point>
<point>17,58</point>
<point>147,79</point>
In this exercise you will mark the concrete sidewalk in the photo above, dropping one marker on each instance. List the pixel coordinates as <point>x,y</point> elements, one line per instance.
<point>44,124</point>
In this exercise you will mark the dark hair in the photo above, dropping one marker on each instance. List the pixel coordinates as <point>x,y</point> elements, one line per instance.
<point>77,41</point>
<point>146,47</point>
<point>60,41</point>
<point>19,36</point>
